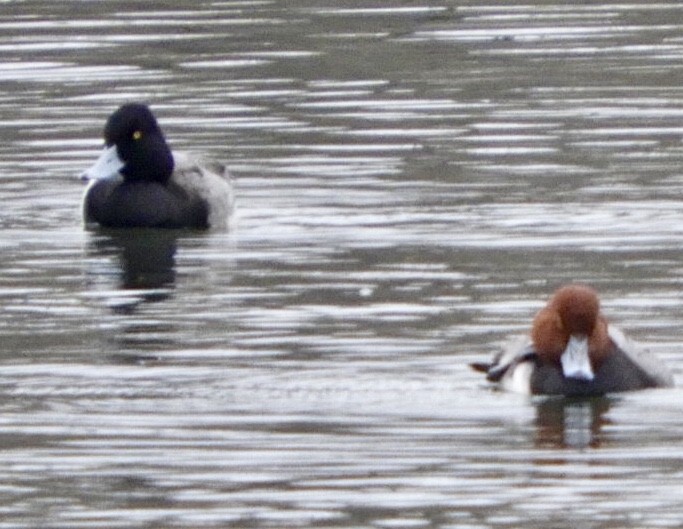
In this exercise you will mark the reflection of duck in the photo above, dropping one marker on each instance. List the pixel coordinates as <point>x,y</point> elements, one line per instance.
<point>146,264</point>
<point>574,351</point>
<point>571,423</point>
<point>138,182</point>
<point>126,271</point>
<point>147,259</point>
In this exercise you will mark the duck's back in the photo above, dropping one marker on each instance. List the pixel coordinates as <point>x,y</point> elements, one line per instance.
<point>208,180</point>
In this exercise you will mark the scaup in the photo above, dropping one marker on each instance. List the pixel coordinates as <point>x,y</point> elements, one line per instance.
<point>139,182</point>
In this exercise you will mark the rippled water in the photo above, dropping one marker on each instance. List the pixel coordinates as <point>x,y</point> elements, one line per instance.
<point>413,180</point>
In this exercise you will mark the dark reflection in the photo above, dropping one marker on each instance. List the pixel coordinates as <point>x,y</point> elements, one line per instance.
<point>127,269</point>
<point>144,261</point>
<point>571,422</point>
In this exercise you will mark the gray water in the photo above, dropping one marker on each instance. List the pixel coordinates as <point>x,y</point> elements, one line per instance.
<point>413,180</point>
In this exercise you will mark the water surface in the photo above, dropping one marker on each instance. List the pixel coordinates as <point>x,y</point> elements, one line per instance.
<point>413,180</point>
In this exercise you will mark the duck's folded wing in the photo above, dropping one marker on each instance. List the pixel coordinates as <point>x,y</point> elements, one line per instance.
<point>651,366</point>
<point>186,161</point>
<point>210,180</point>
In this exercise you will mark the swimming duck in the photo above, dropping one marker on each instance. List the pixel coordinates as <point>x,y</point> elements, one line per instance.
<point>138,182</point>
<point>573,351</point>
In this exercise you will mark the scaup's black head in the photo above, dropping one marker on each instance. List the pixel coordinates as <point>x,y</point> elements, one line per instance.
<point>131,181</point>
<point>134,147</point>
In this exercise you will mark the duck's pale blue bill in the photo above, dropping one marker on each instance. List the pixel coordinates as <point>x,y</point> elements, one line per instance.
<point>107,165</point>
<point>575,360</point>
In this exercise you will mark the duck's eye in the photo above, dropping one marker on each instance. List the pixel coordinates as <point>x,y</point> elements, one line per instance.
<point>137,135</point>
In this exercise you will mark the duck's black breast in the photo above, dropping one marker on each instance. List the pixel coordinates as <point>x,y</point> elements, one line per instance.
<point>143,204</point>
<point>617,373</point>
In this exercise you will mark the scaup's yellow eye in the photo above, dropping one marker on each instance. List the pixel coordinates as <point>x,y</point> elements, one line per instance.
<point>137,135</point>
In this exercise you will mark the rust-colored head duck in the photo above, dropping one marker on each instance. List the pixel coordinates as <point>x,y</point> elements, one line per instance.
<point>572,350</point>
<point>570,332</point>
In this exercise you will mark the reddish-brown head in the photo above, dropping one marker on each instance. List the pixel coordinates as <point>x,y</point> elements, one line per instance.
<point>572,313</point>
<point>578,307</point>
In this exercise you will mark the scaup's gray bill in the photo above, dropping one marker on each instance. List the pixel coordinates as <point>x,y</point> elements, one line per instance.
<point>139,182</point>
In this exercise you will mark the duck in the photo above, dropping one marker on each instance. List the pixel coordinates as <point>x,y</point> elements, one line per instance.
<point>572,350</point>
<point>137,182</point>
